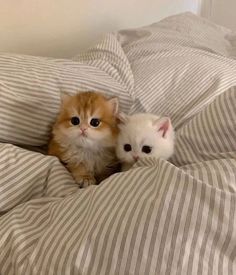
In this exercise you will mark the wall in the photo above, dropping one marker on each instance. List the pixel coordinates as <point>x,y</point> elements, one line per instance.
<point>222,12</point>
<point>61,28</point>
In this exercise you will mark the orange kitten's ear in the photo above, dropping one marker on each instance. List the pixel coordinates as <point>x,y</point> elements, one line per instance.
<point>65,97</point>
<point>114,102</point>
<point>122,118</point>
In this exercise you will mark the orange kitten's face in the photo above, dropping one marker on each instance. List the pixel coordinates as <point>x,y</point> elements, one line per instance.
<point>88,120</point>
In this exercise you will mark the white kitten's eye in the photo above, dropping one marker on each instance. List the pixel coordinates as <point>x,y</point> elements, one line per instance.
<point>127,147</point>
<point>75,120</point>
<point>95,122</point>
<point>146,149</point>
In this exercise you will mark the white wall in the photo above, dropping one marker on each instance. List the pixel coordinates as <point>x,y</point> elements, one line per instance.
<point>61,28</point>
<point>222,12</point>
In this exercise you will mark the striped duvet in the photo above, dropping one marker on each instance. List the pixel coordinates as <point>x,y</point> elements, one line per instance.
<point>160,217</point>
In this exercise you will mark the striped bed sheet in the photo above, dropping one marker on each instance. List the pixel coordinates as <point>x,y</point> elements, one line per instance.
<point>160,217</point>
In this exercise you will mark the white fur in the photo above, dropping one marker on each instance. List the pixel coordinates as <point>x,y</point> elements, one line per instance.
<point>139,130</point>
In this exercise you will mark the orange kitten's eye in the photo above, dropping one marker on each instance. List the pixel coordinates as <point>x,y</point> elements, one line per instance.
<point>75,120</point>
<point>95,122</point>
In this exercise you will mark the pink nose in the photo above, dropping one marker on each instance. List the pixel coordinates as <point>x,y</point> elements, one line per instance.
<point>83,129</point>
<point>135,157</point>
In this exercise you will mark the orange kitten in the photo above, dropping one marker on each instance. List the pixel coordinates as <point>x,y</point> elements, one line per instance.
<point>84,136</point>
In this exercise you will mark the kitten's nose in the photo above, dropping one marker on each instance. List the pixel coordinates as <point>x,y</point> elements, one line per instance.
<point>83,129</point>
<point>135,157</point>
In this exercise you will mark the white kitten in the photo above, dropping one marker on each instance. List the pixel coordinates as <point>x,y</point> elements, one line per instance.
<point>144,135</point>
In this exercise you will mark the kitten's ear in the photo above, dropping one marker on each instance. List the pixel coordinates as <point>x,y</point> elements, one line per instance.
<point>122,118</point>
<point>114,102</point>
<point>65,97</point>
<point>162,125</point>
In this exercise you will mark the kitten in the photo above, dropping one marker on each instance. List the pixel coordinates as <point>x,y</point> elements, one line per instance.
<point>84,136</point>
<point>144,135</point>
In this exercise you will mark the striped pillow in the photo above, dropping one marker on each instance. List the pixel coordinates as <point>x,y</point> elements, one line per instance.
<point>30,88</point>
<point>177,68</point>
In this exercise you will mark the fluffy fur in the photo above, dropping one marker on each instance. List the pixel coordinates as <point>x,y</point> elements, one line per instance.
<point>144,135</point>
<point>87,151</point>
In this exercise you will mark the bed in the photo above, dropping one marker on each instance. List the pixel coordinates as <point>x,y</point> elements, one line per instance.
<point>160,217</point>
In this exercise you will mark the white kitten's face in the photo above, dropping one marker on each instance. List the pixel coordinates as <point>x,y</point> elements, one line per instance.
<point>144,135</point>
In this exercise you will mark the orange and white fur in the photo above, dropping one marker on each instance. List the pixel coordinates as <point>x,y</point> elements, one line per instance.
<point>142,136</point>
<point>84,136</point>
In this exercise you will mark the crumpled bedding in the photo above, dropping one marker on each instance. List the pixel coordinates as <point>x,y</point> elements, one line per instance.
<point>160,217</point>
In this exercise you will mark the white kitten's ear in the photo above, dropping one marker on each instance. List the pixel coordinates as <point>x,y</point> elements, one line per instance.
<point>163,125</point>
<point>114,102</point>
<point>122,118</point>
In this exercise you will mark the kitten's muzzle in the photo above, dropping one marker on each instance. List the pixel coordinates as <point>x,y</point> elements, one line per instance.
<point>135,157</point>
<point>83,131</point>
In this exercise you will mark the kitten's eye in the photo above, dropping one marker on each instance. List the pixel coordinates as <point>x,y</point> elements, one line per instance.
<point>75,120</point>
<point>95,122</point>
<point>127,147</point>
<point>146,149</point>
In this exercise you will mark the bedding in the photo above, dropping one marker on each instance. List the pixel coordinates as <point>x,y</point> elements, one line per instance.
<point>30,100</point>
<point>160,217</point>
